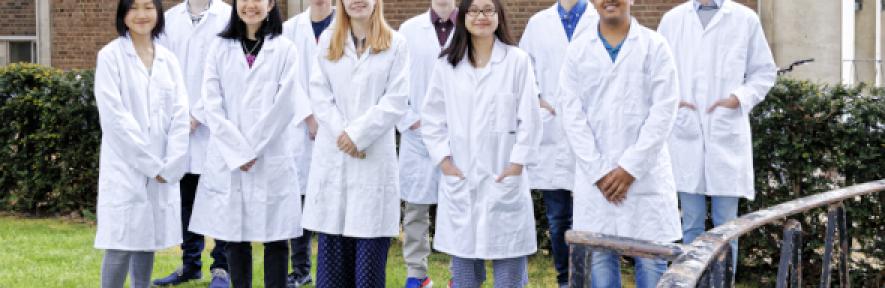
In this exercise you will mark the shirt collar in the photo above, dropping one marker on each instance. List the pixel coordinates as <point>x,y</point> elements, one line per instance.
<point>578,9</point>
<point>697,3</point>
<point>436,18</point>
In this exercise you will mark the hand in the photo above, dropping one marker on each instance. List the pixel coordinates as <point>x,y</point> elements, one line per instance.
<point>683,104</point>
<point>312,127</point>
<point>346,145</point>
<point>415,126</point>
<point>194,124</point>
<point>512,170</point>
<point>731,102</point>
<point>248,166</point>
<point>547,106</point>
<point>448,168</point>
<point>615,184</point>
<point>160,179</point>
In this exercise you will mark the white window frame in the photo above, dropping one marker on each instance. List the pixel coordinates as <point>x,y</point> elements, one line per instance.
<point>30,39</point>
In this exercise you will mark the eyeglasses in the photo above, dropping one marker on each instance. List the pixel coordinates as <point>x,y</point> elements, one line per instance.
<point>488,11</point>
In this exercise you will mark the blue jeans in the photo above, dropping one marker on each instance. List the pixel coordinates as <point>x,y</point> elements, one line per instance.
<point>605,270</point>
<point>559,215</point>
<point>694,215</point>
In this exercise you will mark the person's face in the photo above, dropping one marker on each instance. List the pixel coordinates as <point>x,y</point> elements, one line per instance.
<point>254,11</point>
<point>482,18</point>
<point>141,18</point>
<point>359,9</point>
<point>613,12</point>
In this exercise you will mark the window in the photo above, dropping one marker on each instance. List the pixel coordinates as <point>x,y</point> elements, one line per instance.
<point>17,49</point>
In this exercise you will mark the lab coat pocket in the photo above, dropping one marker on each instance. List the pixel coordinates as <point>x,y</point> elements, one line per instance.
<point>112,220</point>
<point>280,177</point>
<point>724,123</point>
<point>216,176</point>
<point>455,192</point>
<point>505,113</point>
<point>635,101</point>
<point>508,195</point>
<point>162,102</point>
<point>687,126</point>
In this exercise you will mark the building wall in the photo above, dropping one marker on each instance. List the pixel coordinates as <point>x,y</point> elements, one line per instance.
<point>647,12</point>
<point>865,41</point>
<point>81,27</point>
<point>18,18</point>
<point>796,30</point>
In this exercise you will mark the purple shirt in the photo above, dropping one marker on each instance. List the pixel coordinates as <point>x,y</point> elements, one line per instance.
<point>443,26</point>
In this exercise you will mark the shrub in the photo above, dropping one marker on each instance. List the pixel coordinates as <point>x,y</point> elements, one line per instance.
<point>50,140</point>
<point>808,139</point>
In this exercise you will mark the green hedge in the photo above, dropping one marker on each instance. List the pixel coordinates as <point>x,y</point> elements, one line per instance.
<point>808,138</point>
<point>49,140</point>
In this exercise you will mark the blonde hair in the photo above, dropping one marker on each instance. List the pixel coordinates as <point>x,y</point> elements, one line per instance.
<point>379,37</point>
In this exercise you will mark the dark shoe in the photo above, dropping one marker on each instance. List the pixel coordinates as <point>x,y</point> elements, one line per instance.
<point>220,279</point>
<point>293,281</point>
<point>178,277</point>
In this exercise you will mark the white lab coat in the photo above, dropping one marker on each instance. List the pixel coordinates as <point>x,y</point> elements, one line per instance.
<point>299,31</point>
<point>546,42</point>
<point>621,114</point>
<point>418,176</point>
<point>250,113</point>
<point>484,119</point>
<point>190,44</point>
<point>144,125</point>
<point>364,96</point>
<point>713,152</point>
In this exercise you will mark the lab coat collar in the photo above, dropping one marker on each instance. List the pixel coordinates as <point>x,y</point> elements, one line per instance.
<point>499,52</point>
<point>214,8</point>
<point>632,34</point>
<point>129,47</point>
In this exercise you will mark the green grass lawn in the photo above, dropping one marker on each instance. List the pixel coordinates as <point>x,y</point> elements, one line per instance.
<point>58,253</point>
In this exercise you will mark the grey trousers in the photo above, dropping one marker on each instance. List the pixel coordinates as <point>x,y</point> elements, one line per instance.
<point>117,263</point>
<point>416,245</point>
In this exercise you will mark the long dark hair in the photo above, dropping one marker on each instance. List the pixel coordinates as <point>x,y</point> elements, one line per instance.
<point>236,28</point>
<point>123,9</point>
<point>462,43</point>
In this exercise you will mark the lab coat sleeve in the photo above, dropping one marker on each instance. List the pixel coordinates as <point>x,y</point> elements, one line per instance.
<point>117,123</point>
<point>655,130</point>
<point>576,124</point>
<point>198,111</point>
<point>761,71</point>
<point>379,119</point>
<point>410,118</point>
<point>528,133</point>
<point>232,146</point>
<point>322,100</point>
<point>434,127</point>
<point>526,43</point>
<point>178,136</point>
<point>290,105</point>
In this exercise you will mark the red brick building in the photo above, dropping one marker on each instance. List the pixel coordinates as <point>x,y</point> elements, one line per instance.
<point>68,33</point>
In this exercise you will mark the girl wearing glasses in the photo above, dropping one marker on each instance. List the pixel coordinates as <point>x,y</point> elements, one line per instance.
<point>359,89</point>
<point>481,124</point>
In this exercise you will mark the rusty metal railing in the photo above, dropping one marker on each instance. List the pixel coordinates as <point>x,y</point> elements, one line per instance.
<point>706,262</point>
